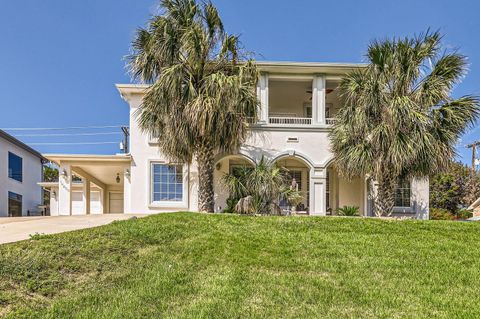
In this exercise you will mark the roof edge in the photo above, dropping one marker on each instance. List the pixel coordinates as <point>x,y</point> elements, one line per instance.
<point>22,145</point>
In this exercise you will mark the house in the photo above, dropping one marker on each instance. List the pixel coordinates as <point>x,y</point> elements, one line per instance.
<point>298,106</point>
<point>475,208</point>
<point>21,168</point>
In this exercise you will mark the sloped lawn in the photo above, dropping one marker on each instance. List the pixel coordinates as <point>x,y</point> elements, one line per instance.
<point>187,265</point>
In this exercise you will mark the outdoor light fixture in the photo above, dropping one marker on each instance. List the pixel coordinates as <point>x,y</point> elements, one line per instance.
<point>127,173</point>
<point>118,178</point>
<point>64,173</point>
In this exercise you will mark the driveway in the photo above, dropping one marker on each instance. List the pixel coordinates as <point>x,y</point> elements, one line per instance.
<point>20,228</point>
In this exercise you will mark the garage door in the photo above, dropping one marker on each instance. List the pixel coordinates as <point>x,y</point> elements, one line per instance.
<point>77,203</point>
<point>95,203</point>
<point>116,203</point>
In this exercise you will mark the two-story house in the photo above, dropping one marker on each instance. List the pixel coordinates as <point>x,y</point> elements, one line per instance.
<point>20,171</point>
<point>298,103</point>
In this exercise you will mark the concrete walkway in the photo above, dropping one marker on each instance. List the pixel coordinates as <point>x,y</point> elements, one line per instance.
<point>20,228</point>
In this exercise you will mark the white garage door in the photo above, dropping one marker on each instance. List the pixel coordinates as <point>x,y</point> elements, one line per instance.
<point>116,203</point>
<point>95,203</point>
<point>77,203</point>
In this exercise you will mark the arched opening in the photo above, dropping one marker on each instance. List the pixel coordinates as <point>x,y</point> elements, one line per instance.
<point>297,172</point>
<point>225,165</point>
<point>341,192</point>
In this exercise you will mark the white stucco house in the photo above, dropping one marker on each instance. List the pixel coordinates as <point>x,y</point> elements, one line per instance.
<point>20,172</point>
<point>298,105</point>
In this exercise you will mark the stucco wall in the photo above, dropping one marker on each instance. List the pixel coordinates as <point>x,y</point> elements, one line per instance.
<point>28,188</point>
<point>137,187</point>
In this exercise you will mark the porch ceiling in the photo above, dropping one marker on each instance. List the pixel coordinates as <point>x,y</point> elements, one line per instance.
<point>103,168</point>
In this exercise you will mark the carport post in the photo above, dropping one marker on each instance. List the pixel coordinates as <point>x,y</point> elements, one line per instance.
<point>86,196</point>
<point>65,190</point>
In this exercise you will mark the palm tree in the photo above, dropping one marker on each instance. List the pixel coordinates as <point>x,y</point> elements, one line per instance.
<point>259,189</point>
<point>399,119</point>
<point>200,95</point>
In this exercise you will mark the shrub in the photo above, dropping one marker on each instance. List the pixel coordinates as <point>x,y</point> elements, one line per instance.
<point>463,214</point>
<point>347,211</point>
<point>440,214</point>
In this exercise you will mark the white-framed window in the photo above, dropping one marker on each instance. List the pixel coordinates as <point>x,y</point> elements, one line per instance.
<point>168,184</point>
<point>403,193</point>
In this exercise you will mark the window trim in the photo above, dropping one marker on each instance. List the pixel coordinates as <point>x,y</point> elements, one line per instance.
<point>167,204</point>
<point>8,167</point>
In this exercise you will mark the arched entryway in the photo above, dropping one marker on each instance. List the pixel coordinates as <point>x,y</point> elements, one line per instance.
<point>342,192</point>
<point>225,165</point>
<point>297,172</point>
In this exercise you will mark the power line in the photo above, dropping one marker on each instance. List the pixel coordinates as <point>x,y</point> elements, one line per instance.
<point>74,143</point>
<point>59,128</point>
<point>69,134</point>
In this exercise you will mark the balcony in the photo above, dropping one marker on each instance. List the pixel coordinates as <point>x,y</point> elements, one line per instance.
<point>298,100</point>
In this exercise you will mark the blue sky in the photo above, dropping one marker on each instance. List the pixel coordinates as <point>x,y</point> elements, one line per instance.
<point>59,60</point>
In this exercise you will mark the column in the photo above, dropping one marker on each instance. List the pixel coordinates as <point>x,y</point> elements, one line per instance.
<point>86,196</point>
<point>64,190</point>
<point>318,192</point>
<point>318,99</point>
<point>262,95</point>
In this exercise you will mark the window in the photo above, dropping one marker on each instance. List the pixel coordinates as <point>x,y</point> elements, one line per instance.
<point>14,205</point>
<point>15,167</point>
<point>167,183</point>
<point>402,194</point>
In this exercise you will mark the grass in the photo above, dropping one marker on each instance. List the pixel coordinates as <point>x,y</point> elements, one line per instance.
<point>187,265</point>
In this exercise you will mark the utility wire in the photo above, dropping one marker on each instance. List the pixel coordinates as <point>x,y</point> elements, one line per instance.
<point>59,128</point>
<point>69,134</point>
<point>74,143</point>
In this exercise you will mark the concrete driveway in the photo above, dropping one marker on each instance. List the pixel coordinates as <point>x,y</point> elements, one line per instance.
<point>20,228</point>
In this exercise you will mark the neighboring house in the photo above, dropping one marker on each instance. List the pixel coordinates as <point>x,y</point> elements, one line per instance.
<point>475,207</point>
<point>298,106</point>
<point>20,171</point>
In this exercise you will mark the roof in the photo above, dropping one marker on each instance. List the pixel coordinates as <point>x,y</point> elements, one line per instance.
<point>474,204</point>
<point>292,67</point>
<point>20,144</point>
<point>56,158</point>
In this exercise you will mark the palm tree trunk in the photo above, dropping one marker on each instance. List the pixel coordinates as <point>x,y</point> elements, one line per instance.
<point>385,198</point>
<point>205,161</point>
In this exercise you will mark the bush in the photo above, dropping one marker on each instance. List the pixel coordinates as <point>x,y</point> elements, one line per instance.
<point>440,214</point>
<point>463,214</point>
<point>347,211</point>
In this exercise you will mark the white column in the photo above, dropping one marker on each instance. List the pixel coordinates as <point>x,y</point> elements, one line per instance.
<point>127,208</point>
<point>318,196</point>
<point>86,196</point>
<point>318,99</point>
<point>262,95</point>
<point>64,190</point>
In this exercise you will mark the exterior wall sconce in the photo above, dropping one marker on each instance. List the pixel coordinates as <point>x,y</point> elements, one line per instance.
<point>127,173</point>
<point>118,178</point>
<point>64,173</point>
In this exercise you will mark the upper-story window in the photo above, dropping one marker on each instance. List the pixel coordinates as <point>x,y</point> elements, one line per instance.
<point>403,193</point>
<point>15,167</point>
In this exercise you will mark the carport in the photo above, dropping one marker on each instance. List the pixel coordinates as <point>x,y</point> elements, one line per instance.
<point>88,184</point>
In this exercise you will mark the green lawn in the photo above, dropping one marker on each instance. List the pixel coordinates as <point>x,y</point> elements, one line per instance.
<point>187,265</point>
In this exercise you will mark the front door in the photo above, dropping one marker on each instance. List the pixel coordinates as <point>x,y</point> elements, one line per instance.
<point>116,203</point>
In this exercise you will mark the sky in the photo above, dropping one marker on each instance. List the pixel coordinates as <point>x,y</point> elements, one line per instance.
<point>60,60</point>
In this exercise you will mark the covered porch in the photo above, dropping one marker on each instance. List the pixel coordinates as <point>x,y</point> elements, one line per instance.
<point>88,184</point>
<point>322,188</point>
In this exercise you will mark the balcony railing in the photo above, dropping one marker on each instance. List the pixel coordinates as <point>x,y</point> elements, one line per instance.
<point>289,120</point>
<point>330,120</point>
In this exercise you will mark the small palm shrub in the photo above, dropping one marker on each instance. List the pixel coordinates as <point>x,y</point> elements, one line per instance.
<point>260,189</point>
<point>348,211</point>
